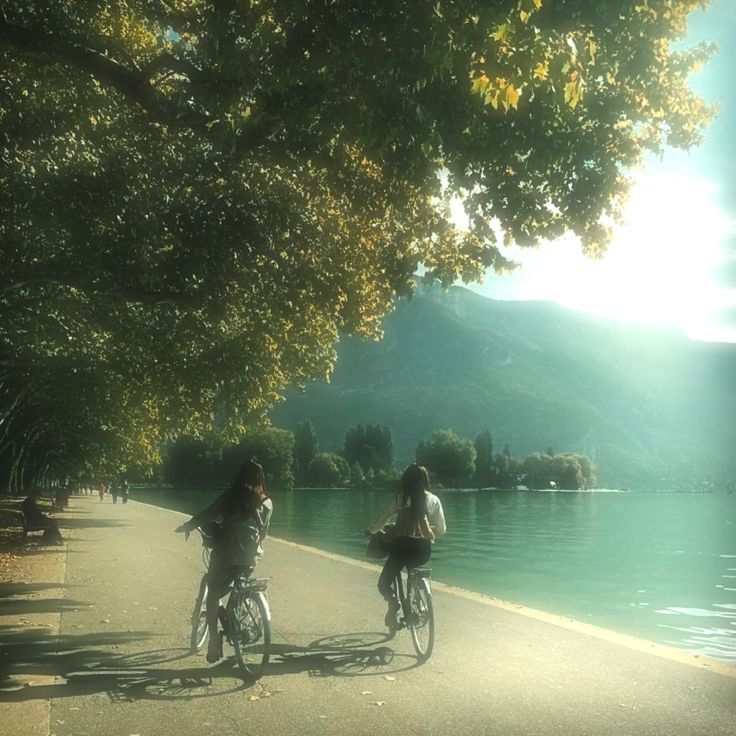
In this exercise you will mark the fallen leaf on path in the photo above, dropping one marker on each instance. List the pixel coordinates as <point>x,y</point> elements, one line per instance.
<point>366,692</point>
<point>378,702</point>
<point>389,678</point>
<point>254,697</point>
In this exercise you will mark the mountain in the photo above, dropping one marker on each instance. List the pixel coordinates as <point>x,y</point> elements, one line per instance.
<point>650,406</point>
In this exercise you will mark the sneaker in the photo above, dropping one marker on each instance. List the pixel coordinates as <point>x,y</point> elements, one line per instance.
<point>390,618</point>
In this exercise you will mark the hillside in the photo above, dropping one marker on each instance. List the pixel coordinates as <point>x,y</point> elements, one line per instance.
<point>646,403</point>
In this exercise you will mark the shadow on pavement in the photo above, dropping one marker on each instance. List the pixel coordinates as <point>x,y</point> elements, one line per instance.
<point>46,550</point>
<point>72,523</point>
<point>8,589</point>
<point>39,605</point>
<point>84,665</point>
<point>352,654</point>
<point>29,652</point>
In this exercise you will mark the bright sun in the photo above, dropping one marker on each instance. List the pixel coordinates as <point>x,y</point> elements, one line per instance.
<point>660,267</point>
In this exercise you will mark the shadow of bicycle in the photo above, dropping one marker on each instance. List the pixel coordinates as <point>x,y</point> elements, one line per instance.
<point>351,654</point>
<point>149,675</point>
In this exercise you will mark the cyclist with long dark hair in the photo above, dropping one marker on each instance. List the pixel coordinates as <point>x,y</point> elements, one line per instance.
<point>419,521</point>
<point>241,515</point>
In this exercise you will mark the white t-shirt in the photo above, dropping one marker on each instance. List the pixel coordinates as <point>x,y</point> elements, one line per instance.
<point>411,527</point>
<point>435,514</point>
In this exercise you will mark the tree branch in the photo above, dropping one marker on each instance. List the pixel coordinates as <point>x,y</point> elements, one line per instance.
<point>135,85</point>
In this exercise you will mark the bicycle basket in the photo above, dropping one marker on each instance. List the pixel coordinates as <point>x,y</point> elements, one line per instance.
<point>381,543</point>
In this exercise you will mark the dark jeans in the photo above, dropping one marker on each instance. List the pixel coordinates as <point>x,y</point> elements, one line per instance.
<point>406,552</point>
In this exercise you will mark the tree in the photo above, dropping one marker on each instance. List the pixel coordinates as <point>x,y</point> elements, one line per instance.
<point>485,472</point>
<point>508,468</point>
<point>192,463</point>
<point>305,448</point>
<point>450,458</point>
<point>328,470</point>
<point>357,477</point>
<point>371,446</point>
<point>272,448</point>
<point>568,471</point>
<point>198,198</point>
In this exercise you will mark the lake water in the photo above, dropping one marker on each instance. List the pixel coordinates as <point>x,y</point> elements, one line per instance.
<point>661,566</point>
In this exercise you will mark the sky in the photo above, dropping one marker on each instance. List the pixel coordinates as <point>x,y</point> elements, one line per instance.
<point>674,262</point>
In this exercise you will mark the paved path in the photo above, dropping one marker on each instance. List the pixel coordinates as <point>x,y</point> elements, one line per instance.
<point>121,665</point>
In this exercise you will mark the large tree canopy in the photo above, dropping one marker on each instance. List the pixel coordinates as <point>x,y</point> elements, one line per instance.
<point>198,197</point>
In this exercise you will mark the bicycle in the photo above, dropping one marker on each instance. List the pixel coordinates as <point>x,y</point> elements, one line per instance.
<point>416,608</point>
<point>245,619</point>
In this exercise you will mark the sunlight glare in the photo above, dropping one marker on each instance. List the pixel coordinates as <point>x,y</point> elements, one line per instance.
<point>660,267</point>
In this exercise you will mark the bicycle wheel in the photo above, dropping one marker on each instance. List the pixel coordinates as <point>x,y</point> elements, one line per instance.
<point>421,618</point>
<point>198,634</point>
<point>249,627</point>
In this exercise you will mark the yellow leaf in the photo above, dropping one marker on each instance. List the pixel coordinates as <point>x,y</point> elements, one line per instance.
<point>524,16</point>
<point>511,97</point>
<point>501,33</point>
<point>592,48</point>
<point>541,70</point>
<point>573,92</point>
<point>480,84</point>
<point>491,97</point>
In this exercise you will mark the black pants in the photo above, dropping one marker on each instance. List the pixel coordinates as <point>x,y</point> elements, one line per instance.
<point>406,552</point>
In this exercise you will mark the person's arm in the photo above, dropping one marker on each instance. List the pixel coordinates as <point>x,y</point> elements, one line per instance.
<point>210,513</point>
<point>266,511</point>
<point>388,512</point>
<point>426,529</point>
<point>438,519</point>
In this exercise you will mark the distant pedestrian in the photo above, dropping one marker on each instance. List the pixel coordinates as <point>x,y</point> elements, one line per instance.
<point>124,491</point>
<point>114,491</point>
<point>103,491</point>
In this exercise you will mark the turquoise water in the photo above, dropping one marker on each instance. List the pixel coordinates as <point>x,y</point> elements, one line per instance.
<point>661,566</point>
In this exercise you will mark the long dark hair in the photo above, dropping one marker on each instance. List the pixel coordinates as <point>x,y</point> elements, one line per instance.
<point>414,482</point>
<point>247,491</point>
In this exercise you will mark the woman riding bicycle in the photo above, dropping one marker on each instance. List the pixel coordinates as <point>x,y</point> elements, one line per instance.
<point>243,512</point>
<point>419,521</point>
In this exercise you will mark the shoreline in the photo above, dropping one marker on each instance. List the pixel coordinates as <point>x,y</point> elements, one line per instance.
<point>560,617</point>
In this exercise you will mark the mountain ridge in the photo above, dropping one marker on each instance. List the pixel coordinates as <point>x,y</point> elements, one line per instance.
<point>649,405</point>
